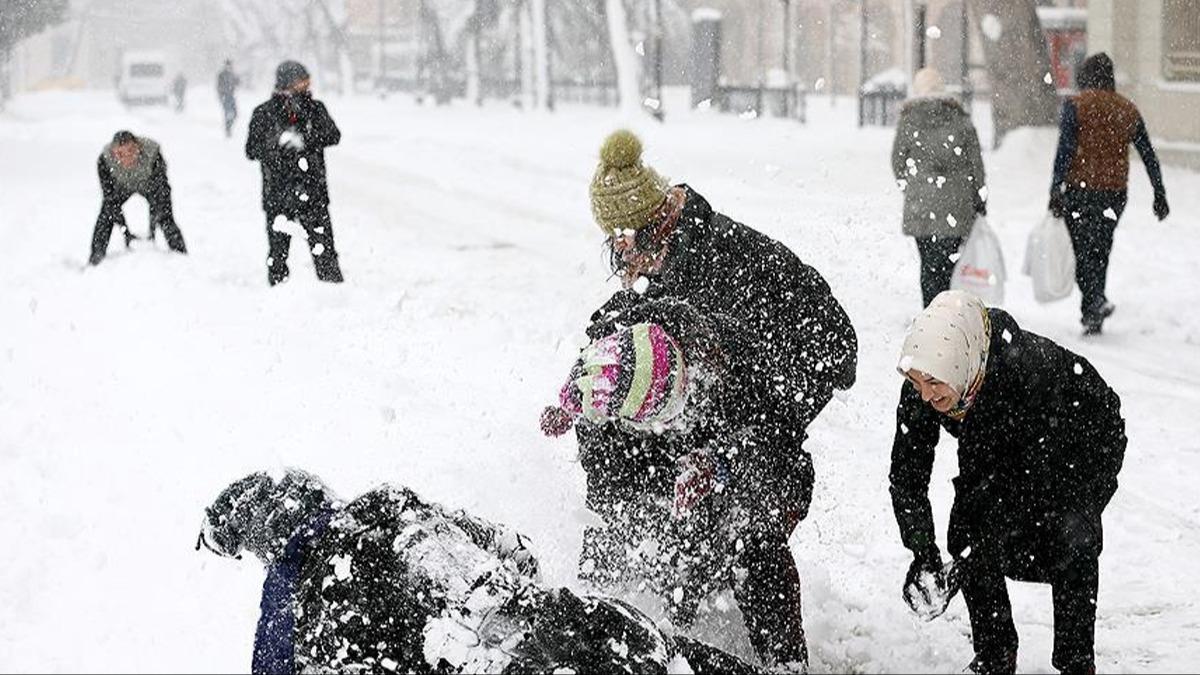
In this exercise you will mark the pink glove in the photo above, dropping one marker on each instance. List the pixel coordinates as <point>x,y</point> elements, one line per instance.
<point>556,421</point>
<point>697,478</point>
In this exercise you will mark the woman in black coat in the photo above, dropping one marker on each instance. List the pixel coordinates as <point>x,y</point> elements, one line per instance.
<point>1040,442</point>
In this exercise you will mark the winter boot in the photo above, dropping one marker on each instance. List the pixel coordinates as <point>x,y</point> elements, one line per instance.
<point>1092,323</point>
<point>1001,665</point>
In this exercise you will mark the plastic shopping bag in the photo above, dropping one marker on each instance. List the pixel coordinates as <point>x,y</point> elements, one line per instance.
<point>980,265</point>
<point>1050,260</point>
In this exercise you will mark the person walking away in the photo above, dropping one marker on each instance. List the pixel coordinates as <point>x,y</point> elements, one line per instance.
<point>1040,442</point>
<point>127,166</point>
<point>1091,178</point>
<point>937,163</point>
<point>794,329</point>
<point>227,84</point>
<point>288,136</point>
<point>179,87</point>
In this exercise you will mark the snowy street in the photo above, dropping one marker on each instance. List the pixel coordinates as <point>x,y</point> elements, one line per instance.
<point>131,393</point>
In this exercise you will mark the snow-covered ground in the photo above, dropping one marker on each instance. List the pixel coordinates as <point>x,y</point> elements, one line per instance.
<point>131,393</point>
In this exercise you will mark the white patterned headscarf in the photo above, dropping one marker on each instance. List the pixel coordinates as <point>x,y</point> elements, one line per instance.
<point>949,340</point>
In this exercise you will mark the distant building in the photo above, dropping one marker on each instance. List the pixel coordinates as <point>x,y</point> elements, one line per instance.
<point>1156,47</point>
<point>85,51</point>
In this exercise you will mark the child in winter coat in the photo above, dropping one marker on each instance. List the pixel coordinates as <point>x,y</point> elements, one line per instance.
<point>1091,178</point>
<point>1040,441</point>
<point>390,583</point>
<point>694,498</point>
<point>936,161</point>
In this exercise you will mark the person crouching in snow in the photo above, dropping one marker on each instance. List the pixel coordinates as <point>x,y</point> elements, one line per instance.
<point>392,583</point>
<point>133,165</point>
<point>1040,442</point>
<point>682,474</point>
<point>288,136</point>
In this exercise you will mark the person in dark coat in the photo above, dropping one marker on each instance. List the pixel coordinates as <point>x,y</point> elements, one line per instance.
<point>1091,178</point>
<point>227,84</point>
<point>179,88</point>
<point>1040,442</point>
<point>288,136</point>
<point>692,499</point>
<point>391,583</point>
<point>937,162</point>
<point>793,331</point>
<point>127,166</point>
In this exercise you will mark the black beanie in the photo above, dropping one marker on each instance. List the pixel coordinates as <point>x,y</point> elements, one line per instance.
<point>289,73</point>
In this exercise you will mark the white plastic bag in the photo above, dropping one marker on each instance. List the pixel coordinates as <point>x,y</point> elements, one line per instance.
<point>980,265</point>
<point>1050,260</point>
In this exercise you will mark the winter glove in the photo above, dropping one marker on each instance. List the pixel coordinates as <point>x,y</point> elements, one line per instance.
<point>981,208</point>
<point>929,586</point>
<point>700,474</point>
<point>1056,205</point>
<point>1161,210</point>
<point>556,421</point>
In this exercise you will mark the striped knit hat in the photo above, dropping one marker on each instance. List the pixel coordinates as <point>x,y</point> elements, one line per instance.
<point>636,374</point>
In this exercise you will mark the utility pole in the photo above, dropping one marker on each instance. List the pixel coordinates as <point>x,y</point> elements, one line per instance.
<point>921,11</point>
<point>863,34</point>
<point>383,46</point>
<point>787,61</point>
<point>659,114</point>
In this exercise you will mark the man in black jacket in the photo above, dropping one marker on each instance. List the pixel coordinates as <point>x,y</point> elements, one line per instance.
<point>1040,442</point>
<point>132,165</point>
<point>794,335</point>
<point>288,136</point>
<point>227,84</point>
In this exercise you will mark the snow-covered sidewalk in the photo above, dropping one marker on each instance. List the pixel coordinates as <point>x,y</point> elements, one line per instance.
<point>131,393</point>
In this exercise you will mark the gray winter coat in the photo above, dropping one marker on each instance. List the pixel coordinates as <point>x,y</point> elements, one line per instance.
<point>937,162</point>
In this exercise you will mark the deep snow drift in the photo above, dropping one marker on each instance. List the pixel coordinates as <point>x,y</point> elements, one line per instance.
<point>131,393</point>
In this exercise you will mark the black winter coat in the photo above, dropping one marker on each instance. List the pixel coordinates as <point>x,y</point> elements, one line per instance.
<point>1038,456</point>
<point>797,330</point>
<point>294,180</point>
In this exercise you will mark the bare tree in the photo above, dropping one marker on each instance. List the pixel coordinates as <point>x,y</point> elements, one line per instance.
<point>629,85</point>
<point>20,19</point>
<point>1018,65</point>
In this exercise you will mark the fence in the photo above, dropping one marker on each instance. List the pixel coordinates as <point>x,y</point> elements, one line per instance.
<point>787,102</point>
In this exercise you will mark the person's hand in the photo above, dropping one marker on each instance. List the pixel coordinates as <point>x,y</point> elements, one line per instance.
<point>1056,205</point>
<point>925,586</point>
<point>556,421</point>
<point>981,208</point>
<point>1161,209</point>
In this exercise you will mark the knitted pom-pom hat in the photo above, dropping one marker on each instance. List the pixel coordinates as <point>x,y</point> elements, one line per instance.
<point>625,192</point>
<point>635,375</point>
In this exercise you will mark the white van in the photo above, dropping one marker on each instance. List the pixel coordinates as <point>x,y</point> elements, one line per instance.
<point>143,78</point>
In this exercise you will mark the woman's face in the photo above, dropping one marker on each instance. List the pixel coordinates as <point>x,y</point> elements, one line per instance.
<point>940,396</point>
<point>644,252</point>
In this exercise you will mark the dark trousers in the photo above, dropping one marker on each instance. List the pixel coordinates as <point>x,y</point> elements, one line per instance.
<point>1073,587</point>
<point>319,230</point>
<point>1091,217</point>
<point>937,264</point>
<point>229,107</point>
<point>770,600</point>
<point>161,217</point>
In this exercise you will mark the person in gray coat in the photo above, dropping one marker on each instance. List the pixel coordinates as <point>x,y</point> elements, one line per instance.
<point>936,161</point>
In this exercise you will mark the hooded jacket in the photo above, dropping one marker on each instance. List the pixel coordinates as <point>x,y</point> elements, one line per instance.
<point>1038,453</point>
<point>936,159</point>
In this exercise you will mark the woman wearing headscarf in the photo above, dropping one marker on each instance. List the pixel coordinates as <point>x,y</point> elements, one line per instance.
<point>937,163</point>
<point>1040,441</point>
<point>1091,178</point>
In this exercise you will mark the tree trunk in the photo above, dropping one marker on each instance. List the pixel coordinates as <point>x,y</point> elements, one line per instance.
<point>1018,65</point>
<point>541,54</point>
<point>629,86</point>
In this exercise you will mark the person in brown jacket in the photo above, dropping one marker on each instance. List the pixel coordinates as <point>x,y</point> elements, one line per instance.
<point>1091,177</point>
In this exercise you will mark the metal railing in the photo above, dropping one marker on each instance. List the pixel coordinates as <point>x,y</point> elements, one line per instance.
<point>788,102</point>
